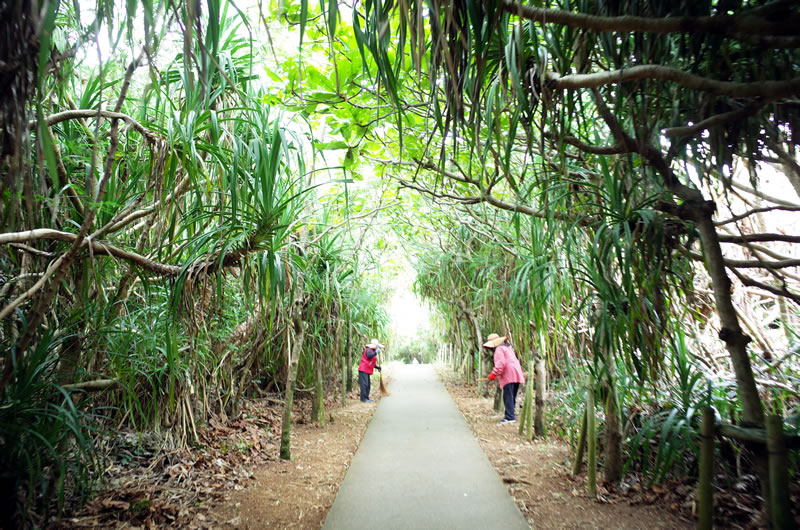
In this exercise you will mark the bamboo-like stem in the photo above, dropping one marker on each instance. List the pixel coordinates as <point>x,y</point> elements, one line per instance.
<point>344,380</point>
<point>781,508</point>
<point>293,351</point>
<point>498,400</point>
<point>318,405</point>
<point>524,414</point>
<point>576,465</point>
<point>541,389</point>
<point>526,408</point>
<point>349,355</point>
<point>591,433</point>
<point>705,494</point>
<point>529,396</point>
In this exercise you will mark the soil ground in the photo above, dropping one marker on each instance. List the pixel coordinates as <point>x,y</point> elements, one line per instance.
<point>234,479</point>
<point>232,476</point>
<point>298,493</point>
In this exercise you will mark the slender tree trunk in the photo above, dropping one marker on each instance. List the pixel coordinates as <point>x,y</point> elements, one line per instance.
<point>591,443</point>
<point>483,389</point>
<point>344,379</point>
<point>731,333</point>
<point>294,350</point>
<point>349,354</point>
<point>318,406</point>
<point>613,463</point>
<point>581,448</point>
<point>73,346</point>
<point>498,399</point>
<point>735,339</point>
<point>695,208</point>
<point>298,327</point>
<point>541,388</point>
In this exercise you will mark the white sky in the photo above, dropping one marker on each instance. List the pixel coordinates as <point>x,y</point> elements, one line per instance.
<point>409,316</point>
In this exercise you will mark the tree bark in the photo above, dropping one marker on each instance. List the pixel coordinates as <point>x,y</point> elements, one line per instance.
<point>349,355</point>
<point>731,333</point>
<point>613,463</point>
<point>483,389</point>
<point>759,89</point>
<point>541,388</point>
<point>318,405</point>
<point>729,25</point>
<point>298,328</point>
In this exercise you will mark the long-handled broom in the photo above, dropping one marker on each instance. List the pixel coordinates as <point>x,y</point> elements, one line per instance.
<point>382,387</point>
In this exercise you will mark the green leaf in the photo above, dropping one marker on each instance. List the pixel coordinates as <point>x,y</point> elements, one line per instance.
<point>331,145</point>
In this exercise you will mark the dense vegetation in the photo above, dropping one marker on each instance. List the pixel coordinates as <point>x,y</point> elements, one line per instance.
<point>200,201</point>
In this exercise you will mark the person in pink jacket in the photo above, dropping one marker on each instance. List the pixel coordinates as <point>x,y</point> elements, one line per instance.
<point>507,371</point>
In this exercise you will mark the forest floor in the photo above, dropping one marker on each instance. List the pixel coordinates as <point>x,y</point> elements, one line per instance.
<point>299,492</point>
<point>232,476</point>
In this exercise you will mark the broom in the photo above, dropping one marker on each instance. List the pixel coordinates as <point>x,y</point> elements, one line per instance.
<point>382,387</point>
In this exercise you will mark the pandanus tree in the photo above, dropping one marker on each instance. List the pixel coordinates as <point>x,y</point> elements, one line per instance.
<point>523,96</point>
<point>156,193</point>
<point>153,254</point>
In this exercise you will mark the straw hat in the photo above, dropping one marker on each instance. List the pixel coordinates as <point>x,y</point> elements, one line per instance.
<point>374,344</point>
<point>494,340</point>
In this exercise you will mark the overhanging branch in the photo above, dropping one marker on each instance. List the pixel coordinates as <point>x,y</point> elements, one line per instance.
<point>763,89</point>
<point>734,26</point>
<point>780,291</point>
<point>759,237</point>
<point>94,113</point>
<point>717,120</point>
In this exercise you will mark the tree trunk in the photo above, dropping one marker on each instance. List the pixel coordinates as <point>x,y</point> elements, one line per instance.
<point>731,333</point>
<point>498,399</point>
<point>591,443</point>
<point>700,211</point>
<point>483,389</point>
<point>541,388</point>
<point>318,406</point>
<point>581,448</point>
<point>613,464</point>
<point>294,351</point>
<point>349,355</point>
<point>298,326</point>
<point>344,379</point>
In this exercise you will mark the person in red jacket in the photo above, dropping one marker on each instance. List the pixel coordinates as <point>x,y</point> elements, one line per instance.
<point>369,359</point>
<point>507,371</point>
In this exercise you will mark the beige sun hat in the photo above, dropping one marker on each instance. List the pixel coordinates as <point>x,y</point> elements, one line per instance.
<point>374,344</point>
<point>494,340</point>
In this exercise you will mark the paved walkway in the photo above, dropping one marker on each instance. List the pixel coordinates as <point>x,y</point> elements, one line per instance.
<point>419,466</point>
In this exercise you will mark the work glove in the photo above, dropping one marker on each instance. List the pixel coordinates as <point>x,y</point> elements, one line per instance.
<point>378,368</point>
<point>492,377</point>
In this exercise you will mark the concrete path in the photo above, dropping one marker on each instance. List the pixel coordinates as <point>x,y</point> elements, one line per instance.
<point>419,466</point>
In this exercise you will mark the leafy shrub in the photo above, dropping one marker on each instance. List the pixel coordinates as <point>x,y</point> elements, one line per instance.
<point>46,439</point>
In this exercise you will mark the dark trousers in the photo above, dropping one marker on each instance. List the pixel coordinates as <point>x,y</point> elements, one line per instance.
<point>363,385</point>
<point>510,399</point>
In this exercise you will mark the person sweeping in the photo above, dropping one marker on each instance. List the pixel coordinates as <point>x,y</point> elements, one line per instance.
<point>507,371</point>
<point>369,360</point>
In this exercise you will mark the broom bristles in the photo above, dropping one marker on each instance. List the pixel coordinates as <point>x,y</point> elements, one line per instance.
<point>382,387</point>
